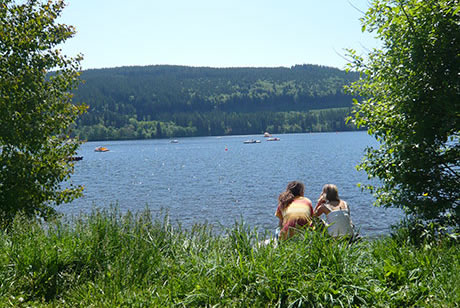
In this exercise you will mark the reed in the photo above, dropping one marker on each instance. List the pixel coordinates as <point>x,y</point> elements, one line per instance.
<point>108,258</point>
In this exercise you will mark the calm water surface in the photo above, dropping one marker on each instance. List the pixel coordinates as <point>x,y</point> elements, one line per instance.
<point>197,180</point>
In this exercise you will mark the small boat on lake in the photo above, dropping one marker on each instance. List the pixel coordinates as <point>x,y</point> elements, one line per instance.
<point>267,134</point>
<point>101,149</point>
<point>174,141</point>
<point>273,139</point>
<point>74,158</point>
<point>251,141</point>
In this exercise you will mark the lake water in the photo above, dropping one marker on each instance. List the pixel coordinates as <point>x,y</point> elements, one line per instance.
<point>220,180</point>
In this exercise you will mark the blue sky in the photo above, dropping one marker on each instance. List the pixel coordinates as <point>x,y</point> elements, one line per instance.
<point>215,33</point>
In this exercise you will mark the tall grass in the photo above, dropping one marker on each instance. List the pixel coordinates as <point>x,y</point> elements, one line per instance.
<point>113,259</point>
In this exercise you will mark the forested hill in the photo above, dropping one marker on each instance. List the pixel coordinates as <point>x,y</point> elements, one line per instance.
<point>167,101</point>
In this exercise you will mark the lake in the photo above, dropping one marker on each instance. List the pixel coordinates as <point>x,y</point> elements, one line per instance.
<point>220,180</point>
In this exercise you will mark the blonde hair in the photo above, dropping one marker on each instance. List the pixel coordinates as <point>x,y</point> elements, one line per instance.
<point>331,193</point>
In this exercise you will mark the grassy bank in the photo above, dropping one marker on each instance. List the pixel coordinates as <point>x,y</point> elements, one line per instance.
<point>109,259</point>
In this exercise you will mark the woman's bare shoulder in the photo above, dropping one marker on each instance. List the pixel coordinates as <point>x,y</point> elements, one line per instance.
<point>306,199</point>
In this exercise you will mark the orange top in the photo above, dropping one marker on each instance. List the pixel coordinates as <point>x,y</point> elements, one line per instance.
<point>298,213</point>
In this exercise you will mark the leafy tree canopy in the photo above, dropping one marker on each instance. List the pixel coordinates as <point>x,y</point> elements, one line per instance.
<point>411,90</point>
<point>35,109</point>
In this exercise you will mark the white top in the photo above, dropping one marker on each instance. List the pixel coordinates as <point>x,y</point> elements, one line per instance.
<point>339,221</point>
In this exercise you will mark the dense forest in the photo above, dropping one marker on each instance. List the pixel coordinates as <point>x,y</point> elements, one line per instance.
<point>173,101</point>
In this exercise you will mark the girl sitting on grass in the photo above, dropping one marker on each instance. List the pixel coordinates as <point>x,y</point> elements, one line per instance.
<point>338,219</point>
<point>294,210</point>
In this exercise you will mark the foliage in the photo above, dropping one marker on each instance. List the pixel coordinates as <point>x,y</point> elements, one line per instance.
<point>222,123</point>
<point>202,101</point>
<point>411,91</point>
<point>109,259</point>
<point>35,109</point>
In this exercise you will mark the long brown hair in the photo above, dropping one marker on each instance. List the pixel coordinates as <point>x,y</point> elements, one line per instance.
<point>293,190</point>
<point>331,193</point>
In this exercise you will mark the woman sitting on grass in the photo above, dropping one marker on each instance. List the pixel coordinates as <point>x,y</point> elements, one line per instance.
<point>338,219</point>
<point>294,210</point>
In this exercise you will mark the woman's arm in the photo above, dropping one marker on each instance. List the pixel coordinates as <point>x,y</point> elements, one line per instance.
<point>280,216</point>
<point>280,222</point>
<point>319,210</point>
<point>321,201</point>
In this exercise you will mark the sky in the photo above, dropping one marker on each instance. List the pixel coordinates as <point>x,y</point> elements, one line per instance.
<point>215,33</point>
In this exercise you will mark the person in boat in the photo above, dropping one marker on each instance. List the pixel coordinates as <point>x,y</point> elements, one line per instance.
<point>294,210</point>
<point>338,218</point>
